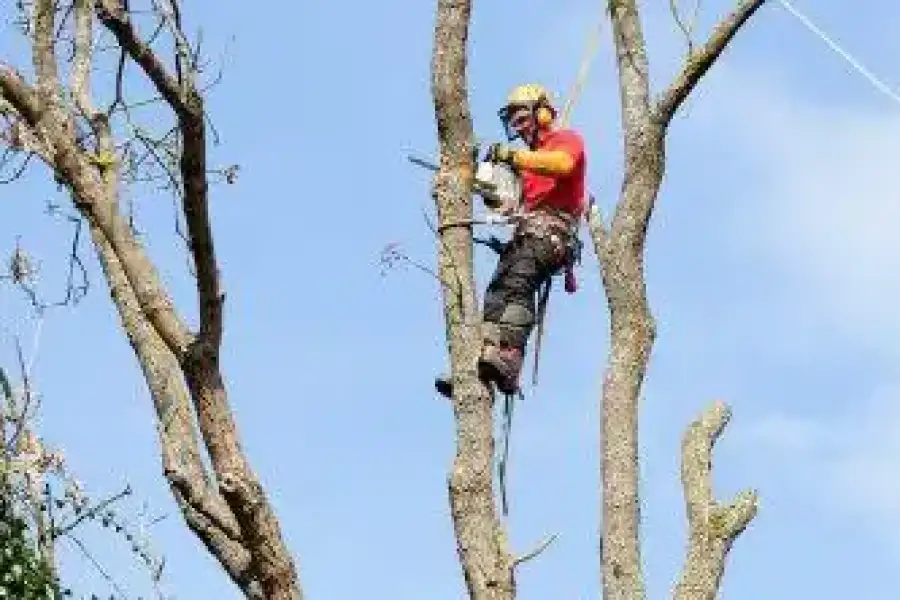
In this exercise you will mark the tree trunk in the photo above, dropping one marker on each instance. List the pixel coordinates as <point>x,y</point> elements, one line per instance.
<point>481,542</point>
<point>632,332</point>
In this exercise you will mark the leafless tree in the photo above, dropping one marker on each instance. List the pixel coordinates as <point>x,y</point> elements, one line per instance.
<point>71,111</point>
<point>488,565</point>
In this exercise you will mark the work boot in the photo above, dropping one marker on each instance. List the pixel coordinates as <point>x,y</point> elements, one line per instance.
<point>498,364</point>
<point>501,364</point>
<point>444,385</point>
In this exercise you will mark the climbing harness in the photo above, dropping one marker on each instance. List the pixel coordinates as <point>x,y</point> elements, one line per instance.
<point>573,257</point>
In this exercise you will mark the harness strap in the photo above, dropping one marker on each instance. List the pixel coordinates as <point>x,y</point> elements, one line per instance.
<point>553,222</point>
<point>543,299</point>
<point>508,408</point>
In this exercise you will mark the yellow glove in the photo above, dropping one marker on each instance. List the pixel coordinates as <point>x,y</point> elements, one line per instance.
<point>545,162</point>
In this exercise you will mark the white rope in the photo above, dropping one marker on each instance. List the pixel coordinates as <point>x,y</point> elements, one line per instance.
<point>875,81</point>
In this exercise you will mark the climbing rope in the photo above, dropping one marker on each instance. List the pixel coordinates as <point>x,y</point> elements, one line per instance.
<point>587,59</point>
<point>834,46</point>
<point>508,408</point>
<point>584,68</point>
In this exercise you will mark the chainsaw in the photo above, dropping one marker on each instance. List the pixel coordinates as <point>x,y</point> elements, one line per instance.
<point>498,184</point>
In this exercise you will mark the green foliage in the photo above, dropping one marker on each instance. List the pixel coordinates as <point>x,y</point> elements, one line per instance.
<point>24,574</point>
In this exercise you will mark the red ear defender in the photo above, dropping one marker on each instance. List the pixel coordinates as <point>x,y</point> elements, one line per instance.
<point>544,116</point>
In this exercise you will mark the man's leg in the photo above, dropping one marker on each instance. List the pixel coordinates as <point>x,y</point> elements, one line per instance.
<point>509,311</point>
<point>492,305</point>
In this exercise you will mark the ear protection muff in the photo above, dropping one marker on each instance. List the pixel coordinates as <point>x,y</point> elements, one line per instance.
<point>544,115</point>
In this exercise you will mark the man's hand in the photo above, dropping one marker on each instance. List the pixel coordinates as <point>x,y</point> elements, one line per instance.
<point>501,153</point>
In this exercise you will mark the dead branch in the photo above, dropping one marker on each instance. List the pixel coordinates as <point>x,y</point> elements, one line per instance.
<point>700,61</point>
<point>712,527</point>
<point>536,552</point>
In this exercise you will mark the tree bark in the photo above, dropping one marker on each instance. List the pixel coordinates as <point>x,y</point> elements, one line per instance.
<point>481,540</point>
<point>620,249</point>
<point>712,527</point>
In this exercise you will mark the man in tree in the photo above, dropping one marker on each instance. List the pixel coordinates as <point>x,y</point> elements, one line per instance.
<point>552,171</point>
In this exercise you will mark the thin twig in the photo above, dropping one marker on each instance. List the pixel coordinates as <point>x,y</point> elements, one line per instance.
<point>536,552</point>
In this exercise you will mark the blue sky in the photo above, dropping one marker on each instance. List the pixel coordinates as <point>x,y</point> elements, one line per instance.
<point>769,271</point>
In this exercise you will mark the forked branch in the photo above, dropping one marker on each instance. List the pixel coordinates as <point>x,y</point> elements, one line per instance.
<point>187,103</point>
<point>713,527</point>
<point>117,20</point>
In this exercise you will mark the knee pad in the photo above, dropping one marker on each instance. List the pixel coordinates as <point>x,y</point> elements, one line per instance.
<point>516,315</point>
<point>512,328</point>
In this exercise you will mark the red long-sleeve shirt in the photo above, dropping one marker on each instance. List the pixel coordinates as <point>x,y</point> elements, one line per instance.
<point>562,192</point>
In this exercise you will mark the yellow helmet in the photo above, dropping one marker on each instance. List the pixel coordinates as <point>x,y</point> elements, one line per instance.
<point>530,96</point>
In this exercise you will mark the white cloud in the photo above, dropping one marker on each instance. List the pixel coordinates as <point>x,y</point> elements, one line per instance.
<point>864,473</point>
<point>781,432</point>
<point>825,212</point>
<point>848,464</point>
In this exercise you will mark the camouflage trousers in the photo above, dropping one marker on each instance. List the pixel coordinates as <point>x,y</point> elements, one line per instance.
<point>539,248</point>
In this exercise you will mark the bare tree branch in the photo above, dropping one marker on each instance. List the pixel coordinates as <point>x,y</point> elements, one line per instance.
<point>701,60</point>
<point>188,105</point>
<point>713,527</point>
<point>114,17</point>
<point>92,198</point>
<point>481,542</point>
<point>19,95</point>
<point>81,63</point>
<point>687,28</point>
<point>536,552</point>
<point>632,65</point>
<point>205,512</point>
<point>43,53</point>
<point>243,492</point>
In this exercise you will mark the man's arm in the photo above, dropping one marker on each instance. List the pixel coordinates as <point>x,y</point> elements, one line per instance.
<point>558,159</point>
<point>556,163</point>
